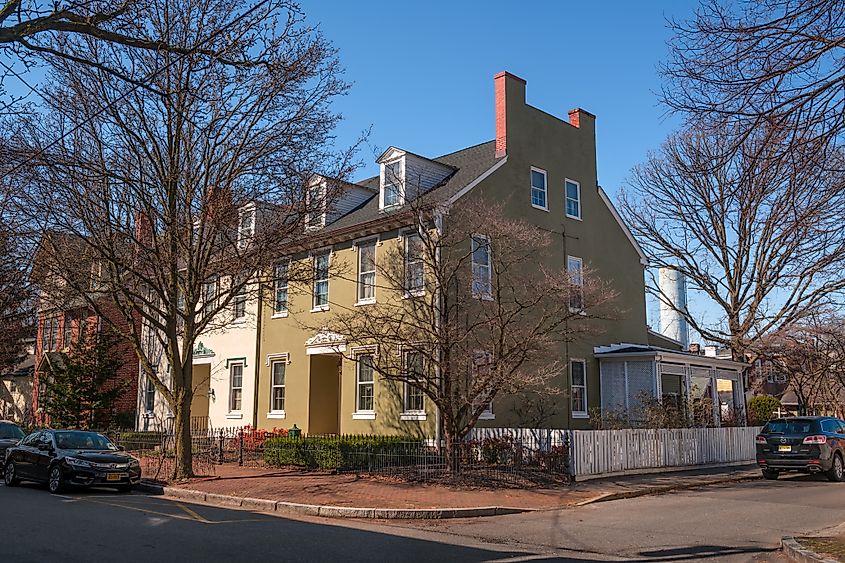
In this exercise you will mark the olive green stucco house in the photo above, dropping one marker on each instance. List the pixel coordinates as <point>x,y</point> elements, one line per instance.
<point>543,169</point>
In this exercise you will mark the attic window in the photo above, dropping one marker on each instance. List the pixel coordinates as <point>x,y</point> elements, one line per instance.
<point>246,226</point>
<point>316,207</point>
<point>392,184</point>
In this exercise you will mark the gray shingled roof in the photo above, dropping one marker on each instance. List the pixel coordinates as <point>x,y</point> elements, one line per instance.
<point>470,163</point>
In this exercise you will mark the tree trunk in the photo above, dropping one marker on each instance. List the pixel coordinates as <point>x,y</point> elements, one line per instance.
<point>183,467</point>
<point>452,451</point>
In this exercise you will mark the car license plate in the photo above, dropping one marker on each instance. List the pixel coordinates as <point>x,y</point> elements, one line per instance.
<point>113,477</point>
<point>784,448</point>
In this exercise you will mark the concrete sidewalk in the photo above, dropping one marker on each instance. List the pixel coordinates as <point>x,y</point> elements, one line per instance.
<point>353,496</point>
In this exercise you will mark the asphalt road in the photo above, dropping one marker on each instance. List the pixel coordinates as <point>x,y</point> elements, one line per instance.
<point>740,522</point>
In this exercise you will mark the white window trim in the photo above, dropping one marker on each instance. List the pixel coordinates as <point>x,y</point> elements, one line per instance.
<point>581,273</point>
<point>286,312</point>
<point>566,200</point>
<point>488,296</point>
<point>410,414</point>
<point>406,293</point>
<point>236,413</point>
<point>320,252</point>
<point>487,415</point>
<point>279,359</point>
<point>401,180</point>
<point>545,188</point>
<point>413,415</point>
<point>357,245</point>
<point>246,210</point>
<point>363,414</point>
<point>586,412</point>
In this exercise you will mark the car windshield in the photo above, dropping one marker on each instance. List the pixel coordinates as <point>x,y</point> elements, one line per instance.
<point>83,441</point>
<point>10,431</point>
<point>797,426</point>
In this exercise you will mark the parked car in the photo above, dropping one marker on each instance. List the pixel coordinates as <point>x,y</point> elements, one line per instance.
<point>62,458</point>
<point>10,434</point>
<point>809,444</point>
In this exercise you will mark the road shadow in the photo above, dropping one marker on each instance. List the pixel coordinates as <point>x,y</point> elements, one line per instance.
<point>699,552</point>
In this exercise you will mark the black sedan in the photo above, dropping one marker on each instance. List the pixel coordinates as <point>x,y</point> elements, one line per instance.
<point>809,444</point>
<point>10,434</point>
<point>62,458</point>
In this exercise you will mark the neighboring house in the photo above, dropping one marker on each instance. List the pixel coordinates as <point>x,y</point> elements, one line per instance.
<point>16,390</point>
<point>63,320</point>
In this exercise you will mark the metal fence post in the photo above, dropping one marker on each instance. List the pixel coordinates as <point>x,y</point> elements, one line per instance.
<point>240,447</point>
<point>221,451</point>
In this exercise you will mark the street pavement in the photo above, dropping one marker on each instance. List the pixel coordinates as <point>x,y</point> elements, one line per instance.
<point>736,522</point>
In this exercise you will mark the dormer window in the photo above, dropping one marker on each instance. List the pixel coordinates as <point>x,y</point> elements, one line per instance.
<point>315,216</point>
<point>246,226</point>
<point>392,180</point>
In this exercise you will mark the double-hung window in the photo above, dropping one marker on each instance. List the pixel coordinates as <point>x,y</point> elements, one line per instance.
<point>578,387</point>
<point>321,281</point>
<point>482,280</point>
<point>414,265</point>
<point>482,364</point>
<point>67,332</point>
<point>538,189</point>
<point>414,398</point>
<point>280,289</point>
<point>573,199</point>
<point>392,193</point>
<point>209,296</point>
<point>367,271</point>
<point>239,299</point>
<point>364,384</point>
<point>150,394</point>
<point>575,270</point>
<point>246,227</point>
<point>277,386</point>
<point>236,386</point>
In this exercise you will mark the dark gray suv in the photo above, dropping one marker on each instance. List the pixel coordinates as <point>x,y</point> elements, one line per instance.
<point>10,435</point>
<point>809,444</point>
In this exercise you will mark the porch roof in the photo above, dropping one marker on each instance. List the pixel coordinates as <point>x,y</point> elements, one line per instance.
<point>626,350</point>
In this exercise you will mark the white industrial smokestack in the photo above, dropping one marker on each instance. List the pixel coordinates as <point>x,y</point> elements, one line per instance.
<point>674,299</point>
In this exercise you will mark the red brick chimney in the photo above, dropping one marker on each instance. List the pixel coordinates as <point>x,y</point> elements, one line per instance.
<point>578,116</point>
<point>509,88</point>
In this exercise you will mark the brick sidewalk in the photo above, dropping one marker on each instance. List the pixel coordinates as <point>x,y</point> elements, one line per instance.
<point>350,490</point>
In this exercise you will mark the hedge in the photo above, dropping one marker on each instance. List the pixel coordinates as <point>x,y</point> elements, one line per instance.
<point>342,453</point>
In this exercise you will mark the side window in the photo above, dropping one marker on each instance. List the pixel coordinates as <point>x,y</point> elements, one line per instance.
<point>31,439</point>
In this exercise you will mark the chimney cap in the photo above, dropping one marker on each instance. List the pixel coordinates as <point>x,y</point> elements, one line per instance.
<point>506,74</point>
<point>581,110</point>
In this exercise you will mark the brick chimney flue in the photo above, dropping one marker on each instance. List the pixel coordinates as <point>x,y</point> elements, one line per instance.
<point>506,83</point>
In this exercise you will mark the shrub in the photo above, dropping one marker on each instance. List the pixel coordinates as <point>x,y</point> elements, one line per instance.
<point>762,408</point>
<point>344,453</point>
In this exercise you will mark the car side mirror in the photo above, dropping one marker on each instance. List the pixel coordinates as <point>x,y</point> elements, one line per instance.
<point>121,448</point>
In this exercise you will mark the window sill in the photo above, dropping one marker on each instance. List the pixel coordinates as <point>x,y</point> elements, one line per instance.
<point>235,415</point>
<point>568,216</point>
<point>546,209</point>
<point>487,416</point>
<point>483,296</point>
<point>276,415</point>
<point>238,321</point>
<point>363,416</point>
<point>320,309</point>
<point>367,302</point>
<point>413,416</point>
<point>278,315</point>
<point>580,415</point>
<point>413,294</point>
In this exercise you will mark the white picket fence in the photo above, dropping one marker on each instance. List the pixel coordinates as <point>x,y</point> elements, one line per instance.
<point>597,453</point>
<point>602,453</point>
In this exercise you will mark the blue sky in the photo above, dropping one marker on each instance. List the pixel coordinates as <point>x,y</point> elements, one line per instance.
<point>422,72</point>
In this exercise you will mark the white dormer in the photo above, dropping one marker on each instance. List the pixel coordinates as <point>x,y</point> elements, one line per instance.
<point>404,175</point>
<point>246,224</point>
<point>315,203</point>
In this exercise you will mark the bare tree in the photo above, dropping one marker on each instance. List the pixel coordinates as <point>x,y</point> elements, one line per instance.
<point>171,202</point>
<point>756,232</point>
<point>812,355</point>
<point>470,308</point>
<point>755,62</point>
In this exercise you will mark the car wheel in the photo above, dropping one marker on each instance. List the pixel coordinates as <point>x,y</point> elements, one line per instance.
<point>10,476</point>
<point>771,474</point>
<point>56,482</point>
<point>837,470</point>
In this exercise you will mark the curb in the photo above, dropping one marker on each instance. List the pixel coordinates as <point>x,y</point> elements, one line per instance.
<point>661,489</point>
<point>793,550</point>
<point>283,507</point>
